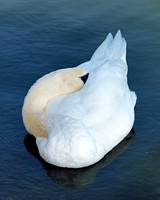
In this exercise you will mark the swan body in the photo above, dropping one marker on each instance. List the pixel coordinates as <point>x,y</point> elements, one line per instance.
<point>76,124</point>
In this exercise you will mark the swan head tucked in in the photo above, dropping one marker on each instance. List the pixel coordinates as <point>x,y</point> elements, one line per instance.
<point>77,128</point>
<point>47,88</point>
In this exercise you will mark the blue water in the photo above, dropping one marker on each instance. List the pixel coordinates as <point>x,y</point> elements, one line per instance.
<point>37,37</point>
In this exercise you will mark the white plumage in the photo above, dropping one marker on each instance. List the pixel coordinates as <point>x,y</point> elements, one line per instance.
<point>85,125</point>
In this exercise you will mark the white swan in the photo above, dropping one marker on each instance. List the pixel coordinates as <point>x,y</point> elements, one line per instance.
<point>76,124</point>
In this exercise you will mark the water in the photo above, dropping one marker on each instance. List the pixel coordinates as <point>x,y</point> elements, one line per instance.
<point>37,37</point>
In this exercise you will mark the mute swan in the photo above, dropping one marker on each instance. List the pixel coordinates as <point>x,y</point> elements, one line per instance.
<point>76,124</point>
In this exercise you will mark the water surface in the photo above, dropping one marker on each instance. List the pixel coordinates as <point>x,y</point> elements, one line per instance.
<point>37,37</point>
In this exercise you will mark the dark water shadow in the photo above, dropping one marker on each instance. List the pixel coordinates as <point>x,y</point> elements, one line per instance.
<point>78,178</point>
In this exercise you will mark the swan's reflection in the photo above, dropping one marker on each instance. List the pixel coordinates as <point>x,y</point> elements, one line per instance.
<point>78,178</point>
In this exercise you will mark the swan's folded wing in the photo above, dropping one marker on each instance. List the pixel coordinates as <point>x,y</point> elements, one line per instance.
<point>69,143</point>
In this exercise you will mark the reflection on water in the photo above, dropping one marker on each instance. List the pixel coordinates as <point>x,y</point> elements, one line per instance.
<point>78,178</point>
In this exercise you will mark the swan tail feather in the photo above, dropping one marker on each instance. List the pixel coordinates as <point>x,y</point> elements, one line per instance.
<point>111,48</point>
<point>103,48</point>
